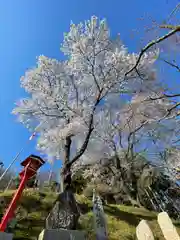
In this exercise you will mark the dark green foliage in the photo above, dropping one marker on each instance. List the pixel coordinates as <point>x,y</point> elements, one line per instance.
<point>30,184</point>
<point>78,183</point>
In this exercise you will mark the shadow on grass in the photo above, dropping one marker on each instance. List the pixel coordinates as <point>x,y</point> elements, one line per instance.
<point>130,218</point>
<point>177,224</point>
<point>27,231</point>
<point>31,234</point>
<point>31,222</point>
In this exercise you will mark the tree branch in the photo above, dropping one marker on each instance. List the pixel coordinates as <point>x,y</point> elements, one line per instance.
<point>164,96</point>
<point>169,111</point>
<point>171,64</point>
<point>177,7</point>
<point>152,43</point>
<point>168,26</point>
<point>88,135</point>
<point>83,147</point>
<point>132,134</point>
<point>50,115</point>
<point>76,89</point>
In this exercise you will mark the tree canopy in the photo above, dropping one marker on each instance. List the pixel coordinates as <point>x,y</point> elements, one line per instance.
<point>102,101</point>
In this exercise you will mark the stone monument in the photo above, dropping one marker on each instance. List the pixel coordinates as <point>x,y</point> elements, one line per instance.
<point>64,214</point>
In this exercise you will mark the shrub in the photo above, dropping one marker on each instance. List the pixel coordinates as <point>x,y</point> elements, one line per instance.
<point>88,191</point>
<point>78,183</point>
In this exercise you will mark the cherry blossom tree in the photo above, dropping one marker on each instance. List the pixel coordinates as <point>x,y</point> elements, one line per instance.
<point>138,127</point>
<point>168,128</point>
<point>66,97</point>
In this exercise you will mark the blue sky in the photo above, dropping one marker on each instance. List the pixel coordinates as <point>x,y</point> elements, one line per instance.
<point>31,28</point>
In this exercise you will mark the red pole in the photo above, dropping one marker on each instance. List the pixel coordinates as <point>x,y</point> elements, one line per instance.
<point>12,206</point>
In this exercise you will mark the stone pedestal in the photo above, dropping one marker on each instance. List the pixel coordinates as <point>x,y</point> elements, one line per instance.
<point>6,236</point>
<point>61,234</point>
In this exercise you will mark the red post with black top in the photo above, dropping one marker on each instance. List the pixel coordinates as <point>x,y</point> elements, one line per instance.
<point>31,165</point>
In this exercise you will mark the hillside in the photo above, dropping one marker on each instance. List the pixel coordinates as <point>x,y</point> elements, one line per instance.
<point>34,208</point>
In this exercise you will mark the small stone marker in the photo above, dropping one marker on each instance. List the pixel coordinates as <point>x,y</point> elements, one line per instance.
<point>167,227</point>
<point>143,231</point>
<point>61,234</point>
<point>99,218</point>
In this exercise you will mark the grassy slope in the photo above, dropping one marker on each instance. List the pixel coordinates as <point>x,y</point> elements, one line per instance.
<point>122,220</point>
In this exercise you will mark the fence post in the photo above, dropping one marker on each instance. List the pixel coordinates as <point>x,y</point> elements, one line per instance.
<point>167,227</point>
<point>143,231</point>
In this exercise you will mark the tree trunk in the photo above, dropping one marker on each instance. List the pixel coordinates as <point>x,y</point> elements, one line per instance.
<point>118,163</point>
<point>67,148</point>
<point>66,172</point>
<point>65,212</point>
<point>124,179</point>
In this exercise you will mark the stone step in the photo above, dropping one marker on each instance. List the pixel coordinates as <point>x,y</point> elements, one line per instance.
<point>49,234</point>
<point>6,236</point>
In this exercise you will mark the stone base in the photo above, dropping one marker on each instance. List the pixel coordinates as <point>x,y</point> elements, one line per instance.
<point>61,234</point>
<point>6,236</point>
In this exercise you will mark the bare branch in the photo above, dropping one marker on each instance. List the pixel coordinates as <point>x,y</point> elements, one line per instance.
<point>169,111</point>
<point>171,64</point>
<point>152,43</point>
<point>50,115</point>
<point>168,26</point>
<point>177,7</point>
<point>164,96</point>
<point>132,134</point>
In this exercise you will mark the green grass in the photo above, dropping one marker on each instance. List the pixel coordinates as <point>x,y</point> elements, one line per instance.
<point>33,209</point>
<point>122,220</point>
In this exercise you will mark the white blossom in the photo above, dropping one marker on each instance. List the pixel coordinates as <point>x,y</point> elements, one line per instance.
<point>64,96</point>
